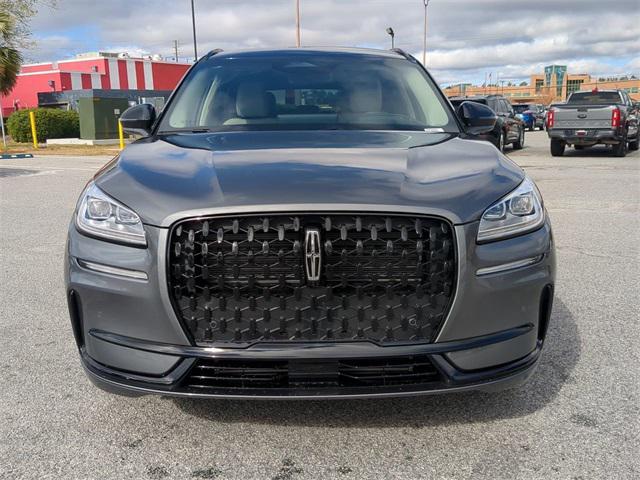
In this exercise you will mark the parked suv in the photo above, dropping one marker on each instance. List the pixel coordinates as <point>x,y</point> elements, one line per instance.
<point>309,223</point>
<point>508,128</point>
<point>532,115</point>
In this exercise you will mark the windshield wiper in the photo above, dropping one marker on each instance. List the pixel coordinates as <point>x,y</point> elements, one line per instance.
<point>186,130</point>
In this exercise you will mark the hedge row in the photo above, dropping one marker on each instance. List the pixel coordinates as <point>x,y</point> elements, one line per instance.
<point>50,123</point>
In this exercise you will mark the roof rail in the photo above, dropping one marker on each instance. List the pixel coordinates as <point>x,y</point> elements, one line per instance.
<point>211,54</point>
<point>399,51</point>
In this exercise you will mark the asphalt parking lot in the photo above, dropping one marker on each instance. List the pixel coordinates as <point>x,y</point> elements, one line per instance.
<point>576,419</point>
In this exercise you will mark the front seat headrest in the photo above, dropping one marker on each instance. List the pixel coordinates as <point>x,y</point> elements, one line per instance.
<point>253,102</point>
<point>365,96</point>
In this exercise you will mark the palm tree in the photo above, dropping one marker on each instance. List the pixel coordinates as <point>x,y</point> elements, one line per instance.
<point>10,58</point>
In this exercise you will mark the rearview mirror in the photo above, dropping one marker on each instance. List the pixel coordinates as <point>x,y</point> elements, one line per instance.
<point>476,117</point>
<point>138,119</point>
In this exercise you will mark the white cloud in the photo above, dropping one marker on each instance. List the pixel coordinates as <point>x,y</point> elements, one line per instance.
<point>466,37</point>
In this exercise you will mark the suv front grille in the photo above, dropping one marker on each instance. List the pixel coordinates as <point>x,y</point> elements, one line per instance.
<point>208,375</point>
<point>320,277</point>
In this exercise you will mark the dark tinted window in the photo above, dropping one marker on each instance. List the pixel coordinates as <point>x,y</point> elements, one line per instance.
<point>508,106</point>
<point>523,107</point>
<point>307,90</point>
<point>504,106</point>
<point>457,101</point>
<point>594,97</point>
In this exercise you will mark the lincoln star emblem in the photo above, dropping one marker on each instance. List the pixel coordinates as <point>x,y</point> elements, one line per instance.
<point>313,258</point>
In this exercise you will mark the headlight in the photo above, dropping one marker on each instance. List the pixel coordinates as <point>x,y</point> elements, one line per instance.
<point>519,212</point>
<point>101,216</point>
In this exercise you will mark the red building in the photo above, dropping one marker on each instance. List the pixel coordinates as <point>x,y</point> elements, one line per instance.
<point>97,71</point>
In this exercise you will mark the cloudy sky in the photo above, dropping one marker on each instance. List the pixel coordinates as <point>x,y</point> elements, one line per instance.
<point>466,38</point>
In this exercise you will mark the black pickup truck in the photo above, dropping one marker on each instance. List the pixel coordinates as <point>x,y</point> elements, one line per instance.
<point>606,117</point>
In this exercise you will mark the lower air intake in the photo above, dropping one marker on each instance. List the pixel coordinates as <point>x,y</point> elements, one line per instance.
<point>211,375</point>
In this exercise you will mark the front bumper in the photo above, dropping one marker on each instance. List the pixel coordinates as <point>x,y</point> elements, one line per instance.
<point>131,342</point>
<point>450,378</point>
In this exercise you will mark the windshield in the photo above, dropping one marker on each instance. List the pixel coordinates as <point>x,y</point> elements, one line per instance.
<point>594,97</point>
<point>307,90</point>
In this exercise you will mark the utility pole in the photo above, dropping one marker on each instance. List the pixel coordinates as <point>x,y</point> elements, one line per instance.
<point>193,24</point>
<point>424,39</point>
<point>297,23</point>
<point>175,49</point>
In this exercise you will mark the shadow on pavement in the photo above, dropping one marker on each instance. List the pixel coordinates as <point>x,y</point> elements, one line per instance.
<point>598,151</point>
<point>560,355</point>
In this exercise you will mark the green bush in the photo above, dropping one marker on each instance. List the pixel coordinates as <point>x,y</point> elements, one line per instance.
<point>50,123</point>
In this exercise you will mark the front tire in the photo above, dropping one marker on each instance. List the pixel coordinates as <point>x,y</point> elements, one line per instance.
<point>557,147</point>
<point>634,145</point>
<point>518,144</point>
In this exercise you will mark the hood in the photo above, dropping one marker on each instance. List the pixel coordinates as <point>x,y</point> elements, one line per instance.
<point>439,173</point>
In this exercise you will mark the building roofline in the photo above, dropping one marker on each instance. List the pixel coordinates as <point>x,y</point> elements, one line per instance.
<point>40,72</point>
<point>69,60</point>
<point>36,64</point>
<point>84,59</point>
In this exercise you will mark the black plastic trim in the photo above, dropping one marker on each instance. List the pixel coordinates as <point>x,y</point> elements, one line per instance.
<point>75,314</point>
<point>494,378</point>
<point>546,306</point>
<point>297,350</point>
<point>175,374</point>
<point>456,376</point>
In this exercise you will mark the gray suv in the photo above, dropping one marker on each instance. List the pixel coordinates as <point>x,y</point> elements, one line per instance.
<point>309,223</point>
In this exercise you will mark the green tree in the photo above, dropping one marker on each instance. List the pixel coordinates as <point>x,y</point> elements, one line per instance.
<point>15,36</point>
<point>10,57</point>
<point>21,12</point>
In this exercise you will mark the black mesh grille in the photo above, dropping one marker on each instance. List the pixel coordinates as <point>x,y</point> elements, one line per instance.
<point>244,279</point>
<point>212,374</point>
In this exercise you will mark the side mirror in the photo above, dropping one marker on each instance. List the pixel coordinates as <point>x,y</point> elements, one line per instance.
<point>476,118</point>
<point>138,119</point>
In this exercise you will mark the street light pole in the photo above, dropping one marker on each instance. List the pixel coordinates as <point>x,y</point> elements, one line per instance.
<point>297,23</point>
<point>392,34</point>
<point>424,39</point>
<point>193,24</point>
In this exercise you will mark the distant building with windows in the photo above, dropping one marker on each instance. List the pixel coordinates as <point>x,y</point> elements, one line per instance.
<point>555,84</point>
